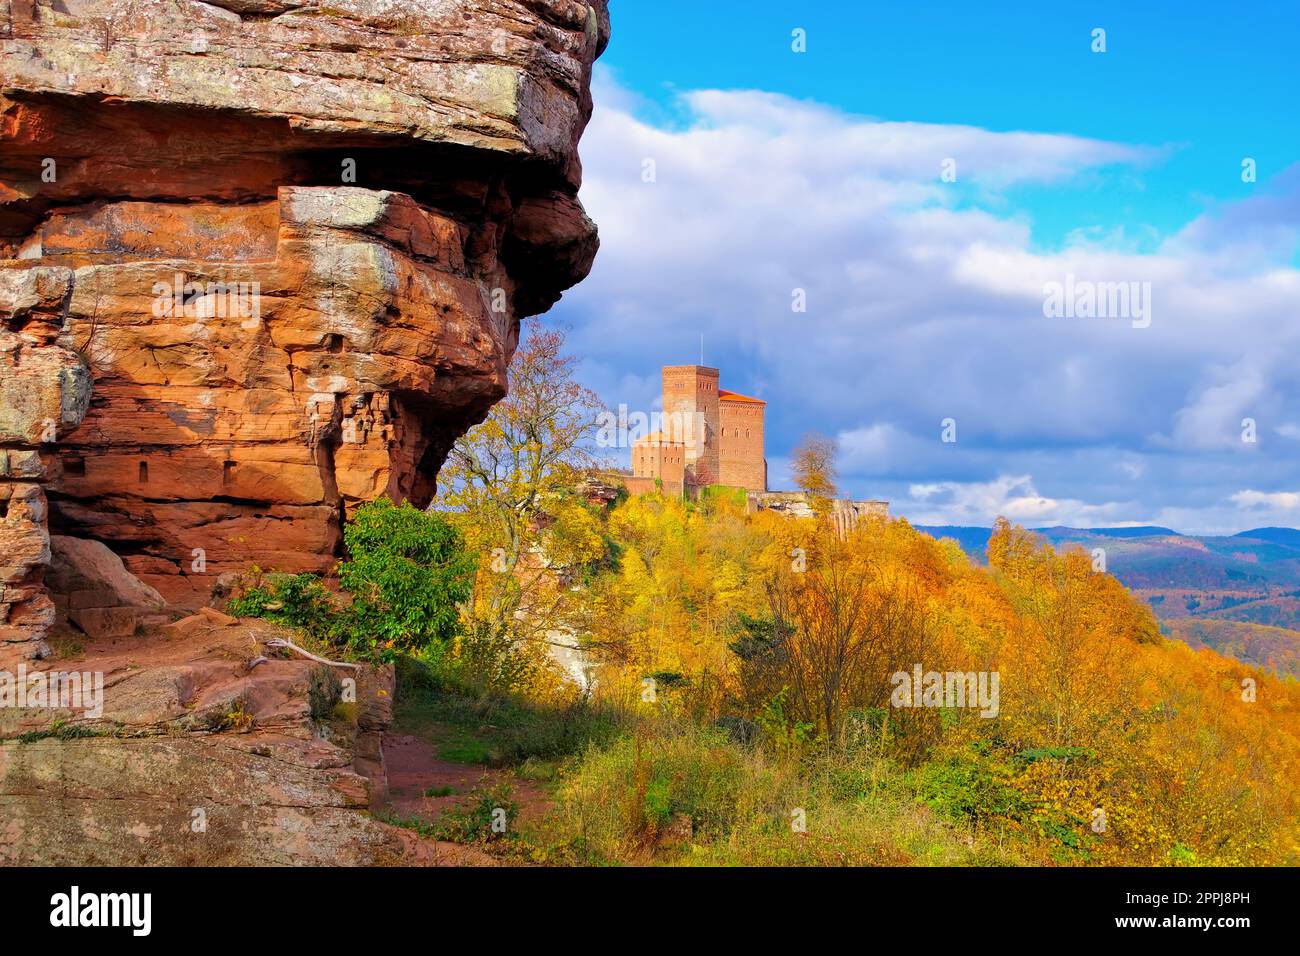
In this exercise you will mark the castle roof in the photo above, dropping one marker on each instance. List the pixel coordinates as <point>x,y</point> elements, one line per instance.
<point>726,396</point>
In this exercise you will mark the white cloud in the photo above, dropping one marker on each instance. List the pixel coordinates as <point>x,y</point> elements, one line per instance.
<point>1009,496</point>
<point>1215,417</point>
<point>1274,500</point>
<point>1132,467</point>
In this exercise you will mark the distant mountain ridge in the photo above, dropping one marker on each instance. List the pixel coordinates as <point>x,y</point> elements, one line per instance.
<point>1290,537</point>
<point>1139,531</point>
<point>1259,542</point>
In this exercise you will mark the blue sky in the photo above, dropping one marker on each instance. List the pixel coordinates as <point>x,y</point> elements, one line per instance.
<point>1211,87</point>
<point>777,170</point>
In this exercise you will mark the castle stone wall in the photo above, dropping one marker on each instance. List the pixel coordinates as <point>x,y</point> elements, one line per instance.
<point>741,445</point>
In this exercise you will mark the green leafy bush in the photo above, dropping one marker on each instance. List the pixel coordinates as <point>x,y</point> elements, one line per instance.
<point>489,661</point>
<point>407,572</point>
<point>973,787</point>
<point>295,600</point>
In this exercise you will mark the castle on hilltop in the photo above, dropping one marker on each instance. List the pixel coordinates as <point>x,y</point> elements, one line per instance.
<point>710,436</point>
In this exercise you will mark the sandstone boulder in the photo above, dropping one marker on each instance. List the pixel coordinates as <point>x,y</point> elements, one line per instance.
<point>105,622</point>
<point>89,574</point>
<point>195,760</point>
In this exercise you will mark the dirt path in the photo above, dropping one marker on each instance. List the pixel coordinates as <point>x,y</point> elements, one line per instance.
<point>414,769</point>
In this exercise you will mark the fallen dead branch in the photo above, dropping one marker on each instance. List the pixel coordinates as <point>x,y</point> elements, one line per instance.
<point>290,645</point>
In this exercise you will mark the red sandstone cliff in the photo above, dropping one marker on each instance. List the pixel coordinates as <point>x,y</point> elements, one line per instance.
<point>260,260</point>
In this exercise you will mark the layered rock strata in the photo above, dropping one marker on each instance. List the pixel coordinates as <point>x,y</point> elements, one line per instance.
<point>270,256</point>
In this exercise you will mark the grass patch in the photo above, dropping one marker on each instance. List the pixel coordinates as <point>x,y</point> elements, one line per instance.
<point>59,730</point>
<point>676,793</point>
<point>487,818</point>
<point>497,731</point>
<point>461,746</point>
<point>65,645</point>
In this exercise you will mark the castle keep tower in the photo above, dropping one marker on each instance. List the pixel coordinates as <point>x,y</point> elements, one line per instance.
<point>691,390</point>
<point>718,434</point>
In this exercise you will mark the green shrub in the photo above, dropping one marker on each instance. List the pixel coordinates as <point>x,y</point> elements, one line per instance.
<point>623,795</point>
<point>295,600</point>
<point>971,787</point>
<point>489,661</point>
<point>489,816</point>
<point>407,573</point>
<point>782,730</point>
<point>1181,855</point>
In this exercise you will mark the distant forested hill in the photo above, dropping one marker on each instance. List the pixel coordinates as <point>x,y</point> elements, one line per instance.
<point>1251,579</point>
<point>1275,648</point>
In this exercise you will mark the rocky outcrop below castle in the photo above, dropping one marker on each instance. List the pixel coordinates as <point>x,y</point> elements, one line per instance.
<point>260,261</point>
<point>844,513</point>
